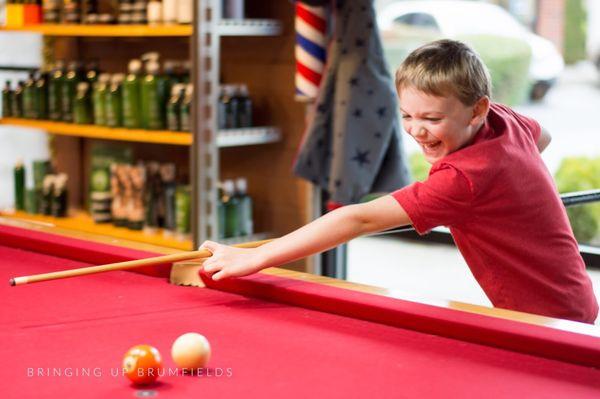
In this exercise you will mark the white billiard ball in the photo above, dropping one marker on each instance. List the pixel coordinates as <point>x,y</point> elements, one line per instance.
<point>190,351</point>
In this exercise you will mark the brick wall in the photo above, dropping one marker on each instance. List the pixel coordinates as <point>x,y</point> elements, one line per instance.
<point>550,21</point>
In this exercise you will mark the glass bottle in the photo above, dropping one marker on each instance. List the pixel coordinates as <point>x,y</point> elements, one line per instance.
<point>244,207</point>
<point>230,203</point>
<point>55,91</point>
<point>114,102</point>
<point>17,104</point>
<point>69,90</point>
<point>41,93</point>
<point>131,96</point>
<point>100,91</point>
<point>7,97</point>
<point>82,109</point>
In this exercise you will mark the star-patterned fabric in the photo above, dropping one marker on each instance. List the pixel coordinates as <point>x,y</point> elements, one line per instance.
<point>352,145</point>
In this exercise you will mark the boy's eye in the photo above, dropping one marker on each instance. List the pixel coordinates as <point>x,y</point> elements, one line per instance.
<point>433,119</point>
<point>405,116</point>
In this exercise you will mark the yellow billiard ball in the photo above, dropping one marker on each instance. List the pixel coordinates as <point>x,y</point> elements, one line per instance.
<point>190,351</point>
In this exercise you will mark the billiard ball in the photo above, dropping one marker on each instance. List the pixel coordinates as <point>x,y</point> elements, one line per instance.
<point>142,364</point>
<point>190,351</point>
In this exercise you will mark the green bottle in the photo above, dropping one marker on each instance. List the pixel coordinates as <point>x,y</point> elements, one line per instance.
<point>173,107</point>
<point>19,174</point>
<point>230,203</point>
<point>227,108</point>
<point>183,210</point>
<point>30,98</point>
<point>244,106</point>
<point>114,101</point>
<point>82,108</point>
<point>153,97</point>
<point>7,97</point>
<point>69,91</point>
<point>41,92</point>
<point>55,91</point>
<point>244,208</point>
<point>131,96</point>
<point>17,104</point>
<point>92,73</point>
<point>221,212</point>
<point>101,89</point>
<point>185,109</point>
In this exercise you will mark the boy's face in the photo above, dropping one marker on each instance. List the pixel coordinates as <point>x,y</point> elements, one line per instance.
<point>440,125</point>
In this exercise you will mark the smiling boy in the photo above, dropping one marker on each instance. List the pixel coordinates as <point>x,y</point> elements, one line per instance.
<point>487,183</point>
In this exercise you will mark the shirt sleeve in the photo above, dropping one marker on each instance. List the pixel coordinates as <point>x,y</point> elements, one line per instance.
<point>444,199</point>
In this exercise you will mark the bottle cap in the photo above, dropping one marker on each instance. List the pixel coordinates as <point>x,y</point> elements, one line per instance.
<point>242,90</point>
<point>135,66</point>
<point>82,86</point>
<point>189,89</point>
<point>151,56</point>
<point>118,77</point>
<point>153,67</point>
<point>228,187</point>
<point>241,185</point>
<point>104,78</point>
<point>176,89</point>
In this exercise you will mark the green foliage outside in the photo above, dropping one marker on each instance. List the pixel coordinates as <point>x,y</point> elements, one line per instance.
<point>419,167</point>
<point>508,61</point>
<point>575,31</point>
<point>581,174</point>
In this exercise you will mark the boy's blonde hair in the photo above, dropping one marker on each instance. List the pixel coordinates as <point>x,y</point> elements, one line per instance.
<point>445,67</point>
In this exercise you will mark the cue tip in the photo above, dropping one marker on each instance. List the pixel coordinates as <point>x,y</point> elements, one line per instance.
<point>12,282</point>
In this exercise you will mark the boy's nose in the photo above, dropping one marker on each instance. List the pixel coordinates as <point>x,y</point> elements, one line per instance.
<point>418,131</point>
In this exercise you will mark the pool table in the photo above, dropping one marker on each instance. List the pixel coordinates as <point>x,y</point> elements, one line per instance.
<point>274,334</point>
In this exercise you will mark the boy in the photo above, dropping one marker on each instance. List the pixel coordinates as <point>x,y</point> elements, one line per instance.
<point>487,183</point>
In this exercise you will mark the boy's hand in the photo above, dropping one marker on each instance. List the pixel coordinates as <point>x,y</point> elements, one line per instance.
<point>229,261</point>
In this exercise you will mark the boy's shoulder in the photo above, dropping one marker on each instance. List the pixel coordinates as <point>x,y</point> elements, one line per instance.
<point>520,128</point>
<point>505,139</point>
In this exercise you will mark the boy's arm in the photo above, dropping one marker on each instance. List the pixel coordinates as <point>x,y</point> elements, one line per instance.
<point>544,140</point>
<point>326,232</point>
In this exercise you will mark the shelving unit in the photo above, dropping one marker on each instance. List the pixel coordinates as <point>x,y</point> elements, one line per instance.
<point>221,50</point>
<point>227,27</point>
<point>225,138</point>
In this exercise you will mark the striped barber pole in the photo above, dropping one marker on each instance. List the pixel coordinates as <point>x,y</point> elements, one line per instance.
<point>310,50</point>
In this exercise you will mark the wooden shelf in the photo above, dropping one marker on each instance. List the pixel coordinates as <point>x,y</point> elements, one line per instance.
<point>227,27</point>
<point>225,138</point>
<point>105,30</point>
<point>100,132</point>
<point>81,221</point>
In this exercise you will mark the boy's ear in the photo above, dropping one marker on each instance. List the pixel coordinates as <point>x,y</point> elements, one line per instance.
<point>480,110</point>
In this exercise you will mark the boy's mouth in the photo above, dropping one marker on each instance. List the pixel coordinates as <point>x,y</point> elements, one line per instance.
<point>430,146</point>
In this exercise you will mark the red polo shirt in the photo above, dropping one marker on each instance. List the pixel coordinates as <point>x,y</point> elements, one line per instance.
<point>507,219</point>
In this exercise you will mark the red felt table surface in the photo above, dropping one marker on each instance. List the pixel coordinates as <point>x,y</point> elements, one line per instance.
<point>260,348</point>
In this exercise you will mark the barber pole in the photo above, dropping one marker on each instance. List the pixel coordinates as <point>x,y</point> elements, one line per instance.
<point>310,50</point>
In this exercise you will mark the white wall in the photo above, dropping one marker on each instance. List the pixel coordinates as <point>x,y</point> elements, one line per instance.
<point>18,50</point>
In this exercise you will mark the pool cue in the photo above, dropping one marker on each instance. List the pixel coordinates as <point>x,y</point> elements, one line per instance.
<point>131,264</point>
